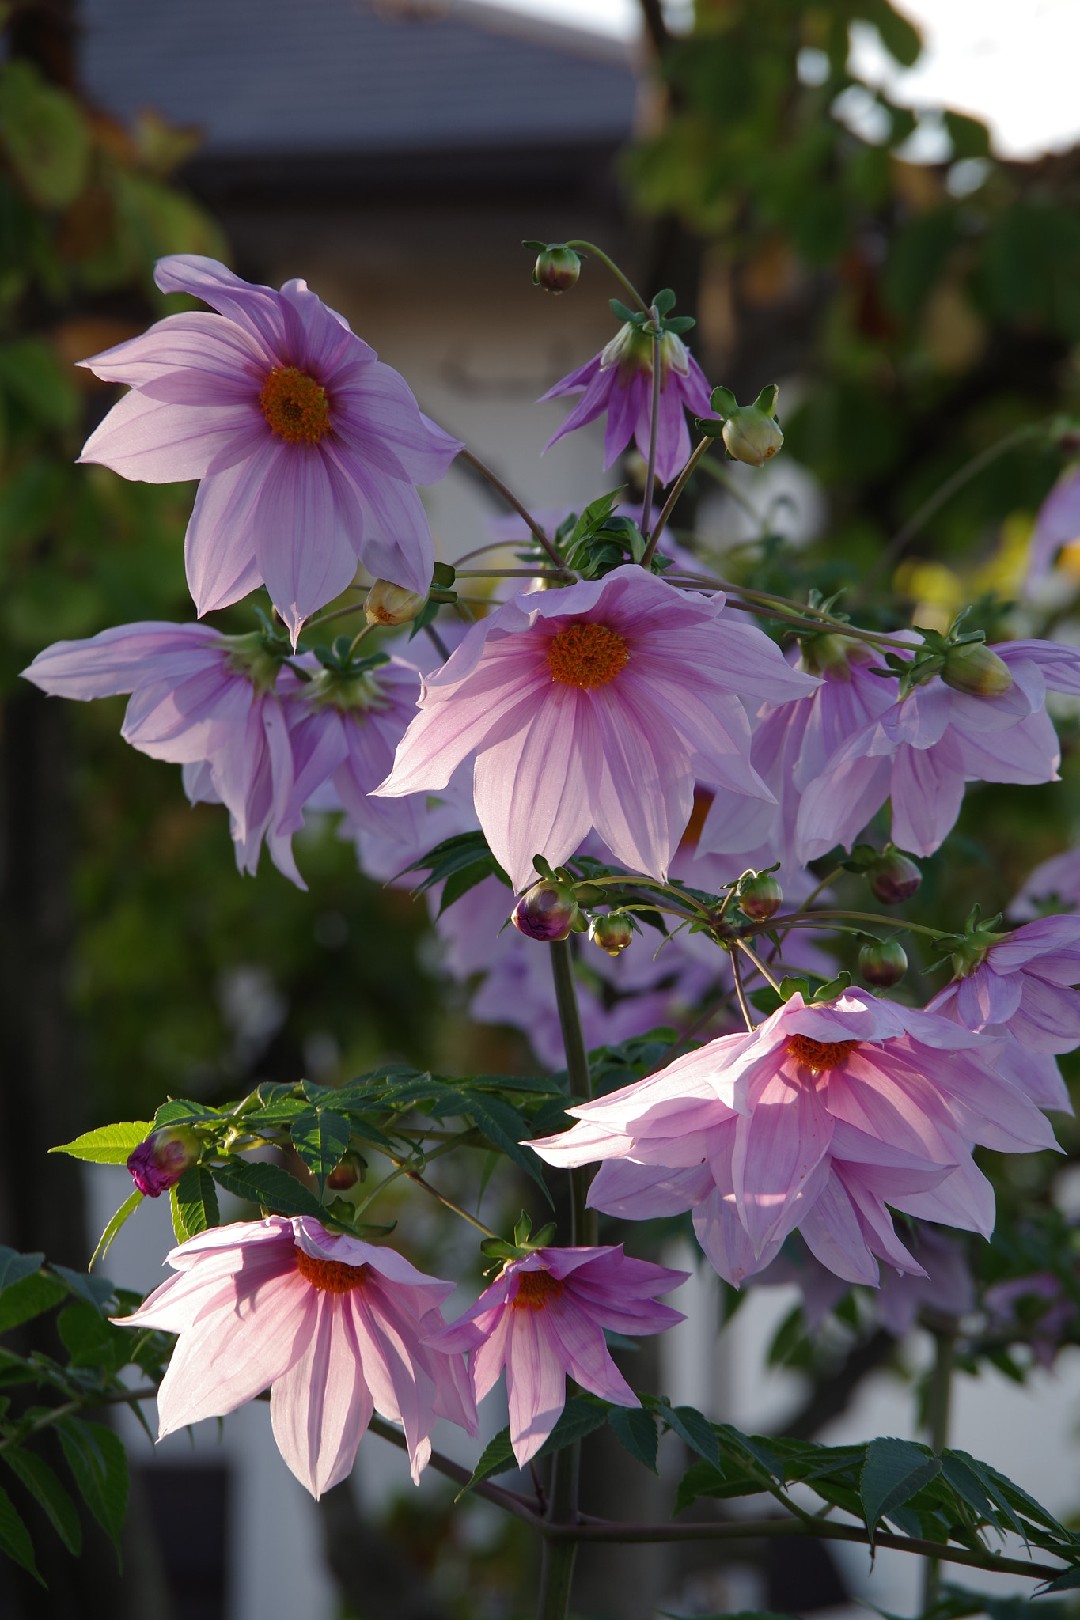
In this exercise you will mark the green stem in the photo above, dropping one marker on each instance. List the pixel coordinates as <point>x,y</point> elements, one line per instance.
<point>623,280</point>
<point>669,505</point>
<point>506,573</point>
<point>654,422</point>
<point>559,1553</point>
<point>717,470</point>
<point>582,1221</point>
<point>736,973</point>
<point>938,1405</point>
<point>523,512</point>
<point>758,963</point>
<point>944,493</point>
<point>810,919</point>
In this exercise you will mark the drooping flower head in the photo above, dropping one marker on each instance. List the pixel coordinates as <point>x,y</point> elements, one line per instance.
<point>599,706</point>
<point>619,380</point>
<point>814,1120</point>
<point>1021,987</point>
<point>922,750</point>
<point>308,447</point>
<point>544,1317</point>
<point>208,702</point>
<point>334,1327</point>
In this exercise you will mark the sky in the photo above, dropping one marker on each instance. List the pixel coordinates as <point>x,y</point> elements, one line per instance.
<point>1012,62</point>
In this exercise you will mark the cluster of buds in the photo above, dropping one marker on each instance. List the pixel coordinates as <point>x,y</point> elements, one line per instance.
<point>552,910</point>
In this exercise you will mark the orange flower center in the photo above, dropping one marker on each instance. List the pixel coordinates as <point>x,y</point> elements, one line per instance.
<point>819,1055</point>
<point>586,655</point>
<point>295,406</point>
<point>332,1276</point>
<point>534,1290</point>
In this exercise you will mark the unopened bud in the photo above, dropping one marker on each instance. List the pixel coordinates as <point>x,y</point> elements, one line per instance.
<point>883,962</point>
<point>976,669</point>
<point>750,433</point>
<point>546,912</point>
<point>158,1163</point>
<point>391,604</point>
<point>350,1169</point>
<point>613,932</point>
<point>557,268</point>
<point>894,878</point>
<point>760,896</point>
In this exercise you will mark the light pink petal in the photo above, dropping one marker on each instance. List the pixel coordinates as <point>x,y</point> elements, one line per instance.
<point>236,1350</point>
<point>214,355</point>
<point>535,1382</point>
<point>927,790</point>
<point>301,519</point>
<point>725,1242</point>
<point>584,1353</point>
<point>320,1408</point>
<point>219,547</point>
<point>260,310</point>
<point>393,1360</point>
<point>832,1232</point>
<point>155,442</point>
<point>777,1149</point>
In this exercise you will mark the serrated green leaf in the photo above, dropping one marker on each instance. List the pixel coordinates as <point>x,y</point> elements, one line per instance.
<point>194,1203</point>
<point>496,1458</point>
<point>29,1298</point>
<point>109,1144</point>
<point>126,1210</point>
<point>636,1429</point>
<point>179,1111</point>
<point>267,1185</point>
<point>15,1538</point>
<point>99,1468</point>
<point>39,1479</point>
<point>695,1429</point>
<point>90,1339</point>
<point>1067,1581</point>
<point>99,1292</point>
<point>502,1124</point>
<point>894,1471</point>
<point>15,1266</point>
<point>320,1137</point>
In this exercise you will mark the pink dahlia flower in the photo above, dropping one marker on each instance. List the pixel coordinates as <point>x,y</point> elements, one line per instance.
<point>1024,990</point>
<point>335,1328</point>
<point>597,706</point>
<point>208,702</point>
<point>619,380</point>
<point>308,448</point>
<point>544,1316</point>
<point>922,750</point>
<point>1057,525</point>
<point>815,1120</point>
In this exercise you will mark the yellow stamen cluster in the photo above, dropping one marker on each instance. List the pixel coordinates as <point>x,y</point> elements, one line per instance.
<point>332,1276</point>
<point>295,406</point>
<point>586,655</point>
<point>534,1290</point>
<point>819,1055</point>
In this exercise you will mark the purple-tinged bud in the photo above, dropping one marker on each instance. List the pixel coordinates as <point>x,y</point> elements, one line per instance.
<point>883,962</point>
<point>894,878</point>
<point>613,932</point>
<point>976,669</point>
<point>760,896</point>
<point>557,268</point>
<point>546,912</point>
<point>391,604</point>
<point>158,1163</point>
<point>350,1169</point>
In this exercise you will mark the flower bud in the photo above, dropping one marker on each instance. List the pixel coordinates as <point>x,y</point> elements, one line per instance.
<point>349,1169</point>
<point>613,932</point>
<point>882,962</point>
<point>546,912</point>
<point>158,1163</point>
<point>976,669</point>
<point>894,878</point>
<point>750,433</point>
<point>391,604</point>
<point>760,896</point>
<point>557,268</point>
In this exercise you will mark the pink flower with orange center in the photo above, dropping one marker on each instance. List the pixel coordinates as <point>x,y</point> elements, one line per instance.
<point>334,1327</point>
<point>544,1317</point>
<point>308,447</point>
<point>598,706</point>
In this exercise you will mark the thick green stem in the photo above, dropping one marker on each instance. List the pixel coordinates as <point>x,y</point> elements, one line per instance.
<point>938,1406</point>
<point>523,512</point>
<point>582,1221</point>
<point>654,422</point>
<point>558,1555</point>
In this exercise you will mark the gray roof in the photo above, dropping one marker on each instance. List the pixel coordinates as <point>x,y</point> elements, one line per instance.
<point>264,77</point>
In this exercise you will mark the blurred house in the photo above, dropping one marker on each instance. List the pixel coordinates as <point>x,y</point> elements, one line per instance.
<point>394,153</point>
